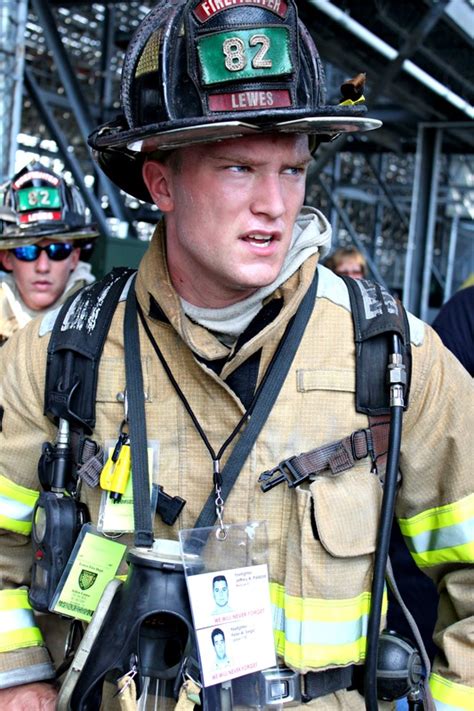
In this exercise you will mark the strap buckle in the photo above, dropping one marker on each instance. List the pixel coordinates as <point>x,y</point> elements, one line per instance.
<point>282,686</point>
<point>356,443</point>
<point>285,471</point>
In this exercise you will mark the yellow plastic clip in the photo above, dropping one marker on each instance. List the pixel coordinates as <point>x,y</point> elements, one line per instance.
<point>115,474</point>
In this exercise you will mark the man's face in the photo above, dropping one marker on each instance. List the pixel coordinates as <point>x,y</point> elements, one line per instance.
<point>41,282</point>
<point>219,646</point>
<point>230,210</point>
<point>221,593</point>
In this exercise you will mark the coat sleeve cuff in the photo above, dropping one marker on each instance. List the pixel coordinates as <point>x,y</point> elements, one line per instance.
<point>28,675</point>
<point>451,696</point>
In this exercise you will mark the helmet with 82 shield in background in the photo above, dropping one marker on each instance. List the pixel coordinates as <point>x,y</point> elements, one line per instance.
<point>208,70</point>
<point>38,204</point>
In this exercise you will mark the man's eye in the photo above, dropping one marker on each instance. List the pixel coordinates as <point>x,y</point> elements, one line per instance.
<point>295,170</point>
<point>238,168</point>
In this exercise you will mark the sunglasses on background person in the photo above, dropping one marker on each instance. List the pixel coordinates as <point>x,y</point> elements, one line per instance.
<point>58,251</point>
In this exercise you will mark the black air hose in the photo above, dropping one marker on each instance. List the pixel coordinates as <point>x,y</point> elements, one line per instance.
<point>383,539</point>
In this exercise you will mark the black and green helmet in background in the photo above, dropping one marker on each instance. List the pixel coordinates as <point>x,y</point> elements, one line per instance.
<point>37,204</point>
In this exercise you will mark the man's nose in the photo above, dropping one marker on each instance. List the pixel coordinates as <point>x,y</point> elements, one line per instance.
<point>42,264</point>
<point>268,196</point>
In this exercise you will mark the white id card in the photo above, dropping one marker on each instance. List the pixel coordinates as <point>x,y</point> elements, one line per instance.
<point>233,621</point>
<point>228,586</point>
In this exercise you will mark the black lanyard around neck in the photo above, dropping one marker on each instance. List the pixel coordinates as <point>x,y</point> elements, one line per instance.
<point>255,416</point>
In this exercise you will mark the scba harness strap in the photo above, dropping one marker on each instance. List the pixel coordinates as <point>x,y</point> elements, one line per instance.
<point>75,348</point>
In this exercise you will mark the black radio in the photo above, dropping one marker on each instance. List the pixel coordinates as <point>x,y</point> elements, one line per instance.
<point>57,519</point>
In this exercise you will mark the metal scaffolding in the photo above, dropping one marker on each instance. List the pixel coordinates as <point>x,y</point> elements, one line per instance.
<point>13,14</point>
<point>403,195</point>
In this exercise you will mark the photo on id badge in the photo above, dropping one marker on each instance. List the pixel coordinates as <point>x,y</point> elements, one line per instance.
<point>232,617</point>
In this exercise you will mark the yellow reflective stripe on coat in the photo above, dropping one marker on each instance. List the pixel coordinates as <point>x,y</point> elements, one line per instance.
<point>16,506</point>
<point>17,622</point>
<point>450,696</point>
<point>444,534</point>
<point>314,633</point>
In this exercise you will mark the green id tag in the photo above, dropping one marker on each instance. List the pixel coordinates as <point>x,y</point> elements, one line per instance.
<point>244,54</point>
<point>93,563</point>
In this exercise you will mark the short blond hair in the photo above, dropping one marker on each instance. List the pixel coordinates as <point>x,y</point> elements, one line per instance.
<point>337,257</point>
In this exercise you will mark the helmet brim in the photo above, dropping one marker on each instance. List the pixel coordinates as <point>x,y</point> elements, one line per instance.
<point>121,156</point>
<point>17,239</point>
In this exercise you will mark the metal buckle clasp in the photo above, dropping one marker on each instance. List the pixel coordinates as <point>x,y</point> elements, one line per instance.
<point>282,686</point>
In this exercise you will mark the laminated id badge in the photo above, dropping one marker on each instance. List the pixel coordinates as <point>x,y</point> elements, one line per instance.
<point>228,588</point>
<point>93,563</point>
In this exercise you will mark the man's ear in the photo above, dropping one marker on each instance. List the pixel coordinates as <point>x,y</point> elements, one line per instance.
<point>75,254</point>
<point>156,176</point>
<point>7,260</point>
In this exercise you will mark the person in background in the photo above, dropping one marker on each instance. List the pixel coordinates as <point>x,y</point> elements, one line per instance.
<point>455,326</point>
<point>347,261</point>
<point>44,225</point>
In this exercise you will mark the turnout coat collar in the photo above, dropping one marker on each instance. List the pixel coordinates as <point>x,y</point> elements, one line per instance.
<point>156,294</point>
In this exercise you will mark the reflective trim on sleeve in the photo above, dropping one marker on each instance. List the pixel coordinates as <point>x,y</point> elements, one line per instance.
<point>314,633</point>
<point>26,675</point>
<point>450,696</point>
<point>17,622</point>
<point>444,534</point>
<point>16,506</point>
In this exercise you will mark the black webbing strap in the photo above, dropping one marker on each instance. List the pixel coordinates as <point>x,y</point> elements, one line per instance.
<point>336,456</point>
<point>143,521</point>
<point>268,395</point>
<point>376,315</point>
<point>328,681</point>
<point>75,348</point>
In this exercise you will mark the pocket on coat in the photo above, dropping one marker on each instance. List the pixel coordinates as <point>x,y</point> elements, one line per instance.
<point>346,512</point>
<point>111,383</point>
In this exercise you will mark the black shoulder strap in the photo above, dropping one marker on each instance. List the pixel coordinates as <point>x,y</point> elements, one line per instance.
<point>377,315</point>
<point>75,348</point>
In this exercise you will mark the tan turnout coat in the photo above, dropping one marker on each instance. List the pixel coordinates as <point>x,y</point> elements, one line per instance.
<point>315,406</point>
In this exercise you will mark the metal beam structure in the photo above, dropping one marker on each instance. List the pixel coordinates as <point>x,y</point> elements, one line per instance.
<point>13,14</point>
<point>78,105</point>
<point>388,194</point>
<point>68,157</point>
<point>422,223</point>
<point>108,34</point>
<point>433,244</point>
<point>342,214</point>
<point>388,52</point>
<point>411,44</point>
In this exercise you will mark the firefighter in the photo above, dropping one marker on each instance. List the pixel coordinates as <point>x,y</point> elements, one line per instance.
<point>44,227</point>
<point>223,105</point>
